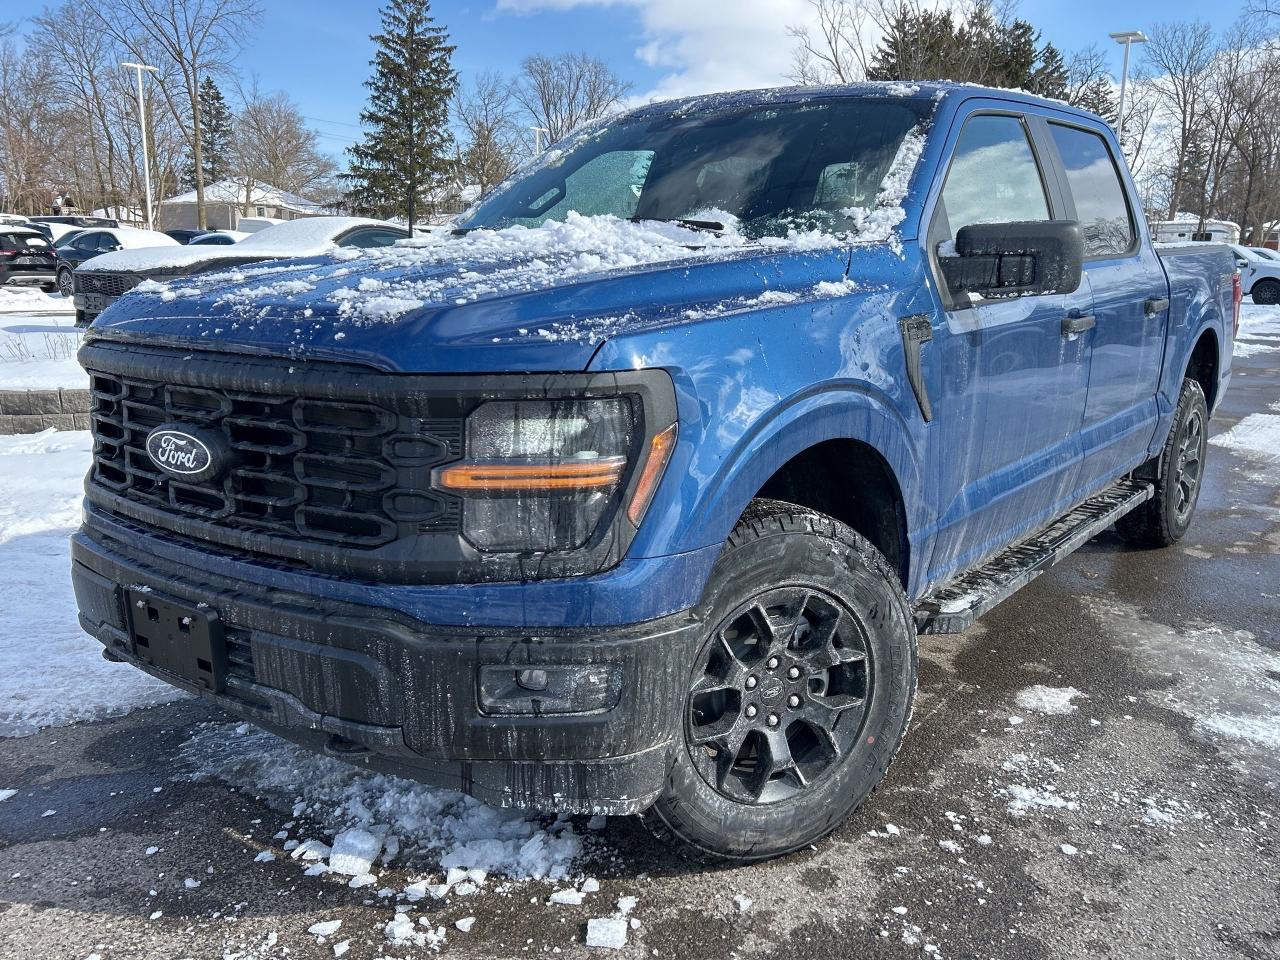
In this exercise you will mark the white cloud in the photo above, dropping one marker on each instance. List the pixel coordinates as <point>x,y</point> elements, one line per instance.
<point>703,46</point>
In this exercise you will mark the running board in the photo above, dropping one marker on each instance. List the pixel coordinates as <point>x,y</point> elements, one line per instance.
<point>956,606</point>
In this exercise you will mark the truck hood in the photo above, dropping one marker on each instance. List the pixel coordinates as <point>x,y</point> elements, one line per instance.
<point>513,300</point>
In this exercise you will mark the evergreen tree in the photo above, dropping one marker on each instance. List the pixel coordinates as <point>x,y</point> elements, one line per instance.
<point>215,121</point>
<point>407,151</point>
<point>1049,77</point>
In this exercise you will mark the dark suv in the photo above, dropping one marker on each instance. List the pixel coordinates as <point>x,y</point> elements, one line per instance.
<point>26,257</point>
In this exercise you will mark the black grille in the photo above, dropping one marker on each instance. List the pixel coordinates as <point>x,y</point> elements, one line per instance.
<point>107,284</point>
<point>347,473</point>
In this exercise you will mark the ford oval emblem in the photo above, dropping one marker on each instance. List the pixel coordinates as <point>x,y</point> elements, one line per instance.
<point>186,453</point>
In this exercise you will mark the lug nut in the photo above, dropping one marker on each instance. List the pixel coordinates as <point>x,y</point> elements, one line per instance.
<point>793,701</point>
<point>751,683</point>
<point>773,719</point>
<point>772,663</point>
<point>793,673</point>
<point>750,711</point>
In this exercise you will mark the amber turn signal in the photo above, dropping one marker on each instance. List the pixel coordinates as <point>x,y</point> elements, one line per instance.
<point>499,477</point>
<point>660,449</point>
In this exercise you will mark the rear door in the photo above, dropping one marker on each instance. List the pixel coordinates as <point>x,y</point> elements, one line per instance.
<point>1016,383</point>
<point>1130,305</point>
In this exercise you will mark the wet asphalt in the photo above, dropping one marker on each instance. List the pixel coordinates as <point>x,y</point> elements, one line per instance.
<point>1144,823</point>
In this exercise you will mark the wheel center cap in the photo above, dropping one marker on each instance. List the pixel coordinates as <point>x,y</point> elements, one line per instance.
<point>771,689</point>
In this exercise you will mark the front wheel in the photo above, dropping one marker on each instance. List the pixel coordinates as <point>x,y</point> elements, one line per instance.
<point>66,286</point>
<point>1164,519</point>
<point>800,694</point>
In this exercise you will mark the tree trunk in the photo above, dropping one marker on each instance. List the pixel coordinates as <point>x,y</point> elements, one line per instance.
<point>196,152</point>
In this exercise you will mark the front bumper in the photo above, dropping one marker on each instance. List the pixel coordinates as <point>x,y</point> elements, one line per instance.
<point>92,304</point>
<point>380,689</point>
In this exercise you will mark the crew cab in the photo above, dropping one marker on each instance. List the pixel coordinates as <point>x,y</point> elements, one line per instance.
<point>634,493</point>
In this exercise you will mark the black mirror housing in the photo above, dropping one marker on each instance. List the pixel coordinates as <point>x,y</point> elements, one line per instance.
<point>994,260</point>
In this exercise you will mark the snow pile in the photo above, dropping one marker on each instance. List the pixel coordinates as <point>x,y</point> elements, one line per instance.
<point>1051,700</point>
<point>1257,437</point>
<point>379,818</point>
<point>51,673</point>
<point>33,300</point>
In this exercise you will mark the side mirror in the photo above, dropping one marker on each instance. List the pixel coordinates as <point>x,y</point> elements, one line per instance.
<point>1016,259</point>
<point>1241,263</point>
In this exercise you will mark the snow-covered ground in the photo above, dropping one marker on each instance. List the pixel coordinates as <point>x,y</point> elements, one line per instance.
<point>32,300</point>
<point>50,671</point>
<point>38,350</point>
<point>1259,330</point>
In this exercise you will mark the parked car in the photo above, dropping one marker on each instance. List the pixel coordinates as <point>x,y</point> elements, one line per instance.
<point>26,257</point>
<point>1259,275</point>
<point>55,233</point>
<point>75,220</point>
<point>185,236</point>
<point>219,238</point>
<point>581,514</point>
<point>1265,252</point>
<point>14,220</point>
<point>98,285</point>
<point>258,224</point>
<point>91,243</point>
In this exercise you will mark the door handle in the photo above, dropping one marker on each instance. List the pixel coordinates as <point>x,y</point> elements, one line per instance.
<point>1077,323</point>
<point>1154,305</point>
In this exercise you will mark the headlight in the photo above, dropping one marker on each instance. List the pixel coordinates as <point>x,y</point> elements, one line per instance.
<point>540,475</point>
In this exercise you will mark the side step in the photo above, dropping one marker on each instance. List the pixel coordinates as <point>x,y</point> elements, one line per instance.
<point>956,606</point>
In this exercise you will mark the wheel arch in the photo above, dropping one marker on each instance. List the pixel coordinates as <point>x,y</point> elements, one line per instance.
<point>1204,363</point>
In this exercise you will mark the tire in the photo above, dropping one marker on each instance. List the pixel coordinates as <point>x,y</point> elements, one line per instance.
<point>800,693</point>
<point>1266,293</point>
<point>66,286</point>
<point>1164,519</point>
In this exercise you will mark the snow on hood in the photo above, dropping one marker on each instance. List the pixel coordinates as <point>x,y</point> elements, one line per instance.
<point>307,237</point>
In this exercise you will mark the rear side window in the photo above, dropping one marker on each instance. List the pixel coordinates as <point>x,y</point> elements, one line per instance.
<point>994,177</point>
<point>1095,185</point>
<point>9,242</point>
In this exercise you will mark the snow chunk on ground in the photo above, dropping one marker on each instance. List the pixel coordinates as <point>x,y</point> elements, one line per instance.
<point>439,828</point>
<point>607,932</point>
<point>41,486</point>
<point>1051,700</point>
<point>354,852</point>
<point>6,794</point>
<point>326,928</point>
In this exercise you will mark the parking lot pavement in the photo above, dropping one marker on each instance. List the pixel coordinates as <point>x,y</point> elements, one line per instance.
<point>1093,771</point>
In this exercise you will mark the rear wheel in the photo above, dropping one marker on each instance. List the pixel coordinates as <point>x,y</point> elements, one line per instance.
<point>800,694</point>
<point>66,286</point>
<point>1164,519</point>
<point>1266,292</point>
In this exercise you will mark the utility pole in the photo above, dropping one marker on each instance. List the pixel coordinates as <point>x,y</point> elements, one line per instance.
<point>1127,39</point>
<point>142,122</point>
<point>537,138</point>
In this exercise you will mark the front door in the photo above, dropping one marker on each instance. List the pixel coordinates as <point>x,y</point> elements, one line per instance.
<point>1010,427</point>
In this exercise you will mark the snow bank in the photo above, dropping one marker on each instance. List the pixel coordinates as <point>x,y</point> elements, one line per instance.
<point>367,813</point>
<point>51,673</point>
<point>38,352</point>
<point>33,300</point>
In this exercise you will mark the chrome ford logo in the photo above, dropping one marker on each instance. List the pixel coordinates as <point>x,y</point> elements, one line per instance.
<point>771,689</point>
<point>185,453</point>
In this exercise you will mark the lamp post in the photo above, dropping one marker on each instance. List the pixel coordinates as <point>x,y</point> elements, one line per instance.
<point>1126,38</point>
<point>142,122</point>
<point>537,138</point>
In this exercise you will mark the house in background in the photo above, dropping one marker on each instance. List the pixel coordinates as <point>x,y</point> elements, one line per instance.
<point>226,201</point>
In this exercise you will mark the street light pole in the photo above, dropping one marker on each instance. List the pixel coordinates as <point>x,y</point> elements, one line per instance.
<point>537,138</point>
<point>1127,38</point>
<point>142,122</point>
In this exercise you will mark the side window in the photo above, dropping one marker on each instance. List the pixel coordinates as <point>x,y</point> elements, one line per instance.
<point>1095,185</point>
<point>87,242</point>
<point>993,176</point>
<point>370,238</point>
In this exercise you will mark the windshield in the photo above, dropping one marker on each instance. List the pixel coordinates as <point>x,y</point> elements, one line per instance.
<point>763,170</point>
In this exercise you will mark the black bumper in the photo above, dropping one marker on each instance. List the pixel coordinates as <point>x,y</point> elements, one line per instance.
<point>394,694</point>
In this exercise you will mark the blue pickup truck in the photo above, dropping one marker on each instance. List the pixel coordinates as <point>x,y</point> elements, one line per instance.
<point>632,493</point>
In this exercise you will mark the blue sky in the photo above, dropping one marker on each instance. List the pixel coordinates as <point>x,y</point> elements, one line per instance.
<point>318,51</point>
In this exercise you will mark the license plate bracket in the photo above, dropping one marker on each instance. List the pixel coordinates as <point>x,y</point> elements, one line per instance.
<point>177,638</point>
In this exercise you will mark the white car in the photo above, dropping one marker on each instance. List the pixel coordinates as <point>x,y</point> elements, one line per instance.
<point>100,283</point>
<point>1259,275</point>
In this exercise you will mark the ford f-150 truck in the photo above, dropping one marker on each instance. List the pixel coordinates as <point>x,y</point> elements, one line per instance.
<point>633,493</point>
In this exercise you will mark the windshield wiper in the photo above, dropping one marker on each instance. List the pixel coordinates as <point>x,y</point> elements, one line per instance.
<point>707,226</point>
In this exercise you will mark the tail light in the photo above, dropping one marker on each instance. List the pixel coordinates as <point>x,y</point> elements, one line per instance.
<point>1237,295</point>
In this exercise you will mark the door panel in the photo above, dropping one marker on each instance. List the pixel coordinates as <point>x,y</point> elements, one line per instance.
<point>1011,426</point>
